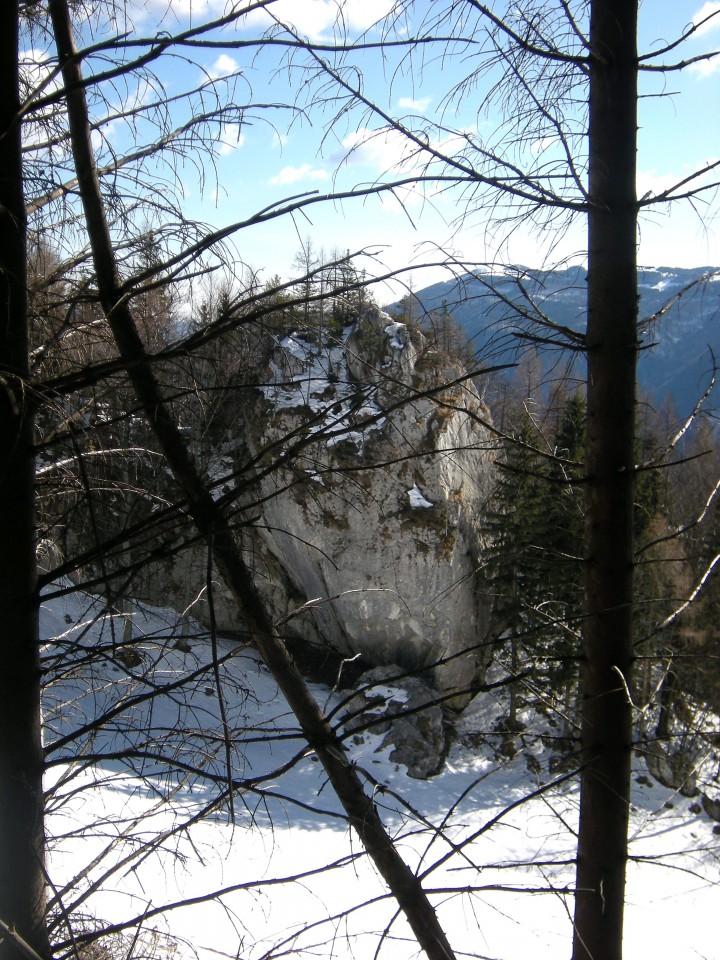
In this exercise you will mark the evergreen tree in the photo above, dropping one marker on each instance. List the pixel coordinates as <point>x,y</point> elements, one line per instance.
<point>537,534</point>
<point>537,538</point>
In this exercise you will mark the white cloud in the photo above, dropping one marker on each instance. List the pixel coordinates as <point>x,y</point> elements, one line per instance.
<point>318,18</point>
<point>362,14</point>
<point>224,66</point>
<point>391,152</point>
<point>542,144</point>
<point>652,183</point>
<point>709,17</point>
<point>705,68</point>
<point>230,139</point>
<point>420,105</point>
<point>709,9</point>
<point>195,9</point>
<point>108,133</point>
<point>313,18</point>
<point>35,69</point>
<point>403,199</point>
<point>383,149</point>
<point>294,174</point>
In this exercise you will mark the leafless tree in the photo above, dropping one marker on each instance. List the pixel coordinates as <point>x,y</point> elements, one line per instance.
<point>568,77</point>
<point>62,97</point>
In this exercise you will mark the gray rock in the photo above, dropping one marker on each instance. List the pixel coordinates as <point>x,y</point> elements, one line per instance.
<point>674,769</point>
<point>406,711</point>
<point>711,806</point>
<point>375,522</point>
<point>373,466</point>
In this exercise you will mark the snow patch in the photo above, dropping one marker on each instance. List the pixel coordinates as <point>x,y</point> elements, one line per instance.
<point>93,808</point>
<point>396,331</point>
<point>417,500</point>
<point>307,375</point>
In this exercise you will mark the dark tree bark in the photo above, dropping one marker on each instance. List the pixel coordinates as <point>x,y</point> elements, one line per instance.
<point>606,733</point>
<point>210,521</point>
<point>22,882</point>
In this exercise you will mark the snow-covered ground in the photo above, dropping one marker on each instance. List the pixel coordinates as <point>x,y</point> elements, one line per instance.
<point>492,835</point>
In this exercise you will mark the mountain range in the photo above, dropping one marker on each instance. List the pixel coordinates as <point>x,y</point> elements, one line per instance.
<point>679,321</point>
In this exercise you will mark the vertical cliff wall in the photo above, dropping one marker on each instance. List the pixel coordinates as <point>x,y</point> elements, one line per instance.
<point>373,518</point>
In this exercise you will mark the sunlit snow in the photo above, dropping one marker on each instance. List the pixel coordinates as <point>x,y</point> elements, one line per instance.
<point>491,835</point>
<point>315,377</point>
<point>396,331</point>
<point>417,500</point>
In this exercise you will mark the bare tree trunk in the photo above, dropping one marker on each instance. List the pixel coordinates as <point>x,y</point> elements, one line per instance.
<point>359,807</point>
<point>606,731</point>
<point>22,881</point>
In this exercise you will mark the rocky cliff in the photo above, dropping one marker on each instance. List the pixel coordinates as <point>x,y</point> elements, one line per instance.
<point>370,466</point>
<point>368,539</point>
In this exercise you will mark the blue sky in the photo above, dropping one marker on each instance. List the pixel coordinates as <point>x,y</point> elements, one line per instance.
<point>279,154</point>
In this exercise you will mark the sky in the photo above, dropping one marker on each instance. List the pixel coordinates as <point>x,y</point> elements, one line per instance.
<point>279,152</point>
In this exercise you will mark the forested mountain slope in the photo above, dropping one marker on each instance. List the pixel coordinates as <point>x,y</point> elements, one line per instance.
<point>680,328</point>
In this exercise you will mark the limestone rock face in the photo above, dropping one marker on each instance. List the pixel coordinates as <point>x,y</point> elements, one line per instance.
<point>378,468</point>
<point>711,807</point>
<point>365,467</point>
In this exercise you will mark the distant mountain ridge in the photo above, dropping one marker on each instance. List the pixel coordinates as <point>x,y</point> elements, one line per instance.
<point>678,346</point>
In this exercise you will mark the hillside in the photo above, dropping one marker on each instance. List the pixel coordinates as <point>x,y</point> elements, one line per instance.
<point>676,360</point>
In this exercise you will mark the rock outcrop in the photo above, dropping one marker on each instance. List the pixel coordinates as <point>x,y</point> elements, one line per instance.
<point>369,468</point>
<point>673,768</point>
<point>377,470</point>
<point>400,713</point>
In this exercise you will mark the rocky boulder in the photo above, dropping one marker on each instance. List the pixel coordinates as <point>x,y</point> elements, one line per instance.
<point>373,466</point>
<point>364,465</point>
<point>399,712</point>
<point>673,768</point>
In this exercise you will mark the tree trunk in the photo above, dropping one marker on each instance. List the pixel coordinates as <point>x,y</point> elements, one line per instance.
<point>606,726</point>
<point>210,521</point>
<point>668,696</point>
<point>22,882</point>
